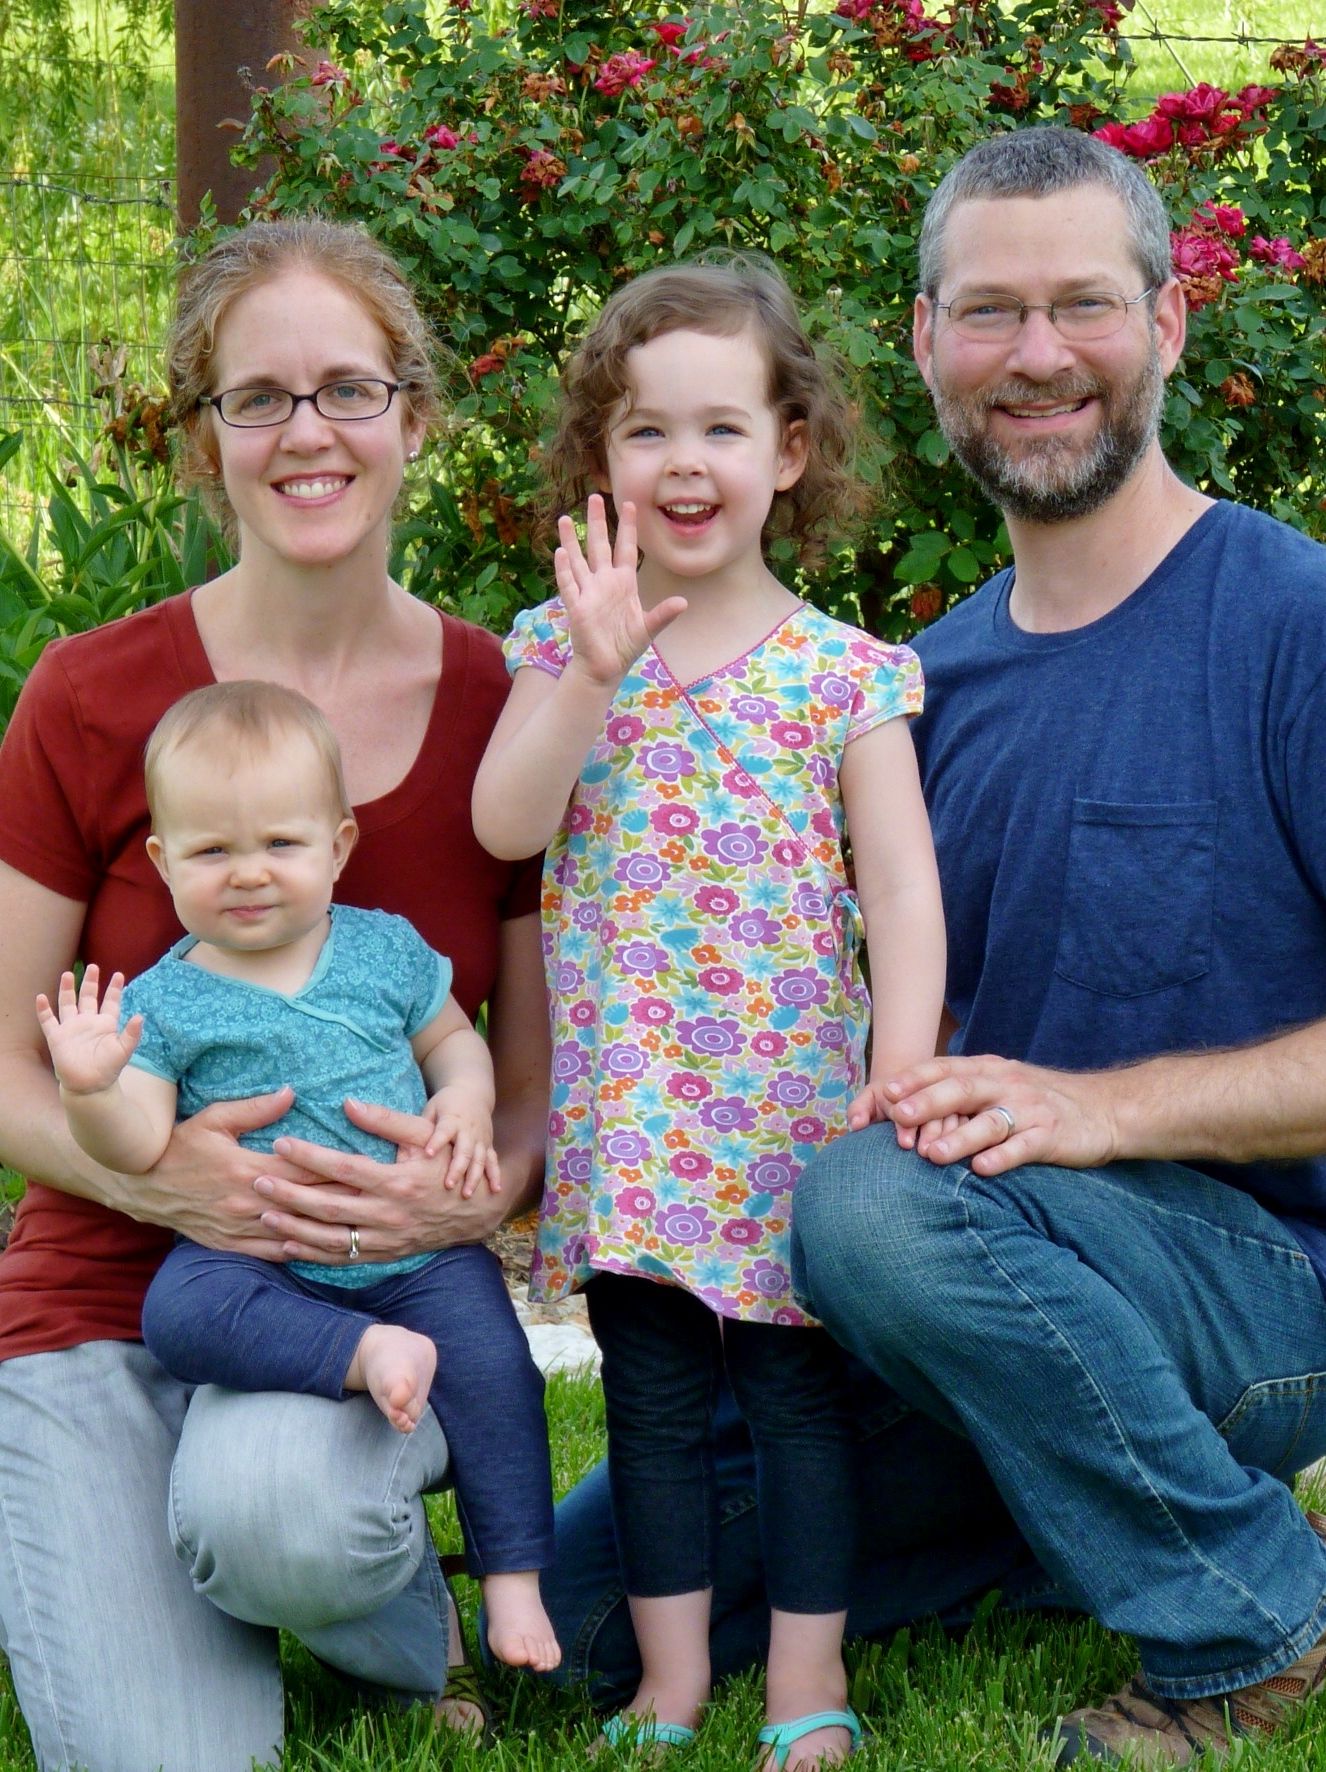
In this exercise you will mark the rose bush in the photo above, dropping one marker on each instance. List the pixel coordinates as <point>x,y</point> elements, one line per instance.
<point>524,159</point>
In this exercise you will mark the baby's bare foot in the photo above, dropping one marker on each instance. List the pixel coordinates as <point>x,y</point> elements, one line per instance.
<point>519,1630</point>
<point>395,1366</point>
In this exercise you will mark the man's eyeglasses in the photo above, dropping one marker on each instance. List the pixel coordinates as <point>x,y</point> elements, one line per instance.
<point>1095,313</point>
<point>252,408</point>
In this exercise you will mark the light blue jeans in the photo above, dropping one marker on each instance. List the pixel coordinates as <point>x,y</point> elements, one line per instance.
<point>131,1652</point>
<point>1108,1378</point>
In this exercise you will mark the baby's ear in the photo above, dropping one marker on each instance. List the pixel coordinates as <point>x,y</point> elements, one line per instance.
<point>347,835</point>
<point>156,854</point>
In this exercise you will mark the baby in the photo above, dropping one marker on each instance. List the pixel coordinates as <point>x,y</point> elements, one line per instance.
<point>271,986</point>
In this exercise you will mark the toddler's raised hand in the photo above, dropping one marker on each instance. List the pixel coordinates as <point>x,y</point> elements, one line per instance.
<point>608,625</point>
<point>89,1049</point>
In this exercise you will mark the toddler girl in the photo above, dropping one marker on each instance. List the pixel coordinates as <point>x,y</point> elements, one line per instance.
<point>273,985</point>
<point>693,743</point>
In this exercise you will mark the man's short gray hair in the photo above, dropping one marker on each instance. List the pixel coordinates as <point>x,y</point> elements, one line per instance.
<point>1037,163</point>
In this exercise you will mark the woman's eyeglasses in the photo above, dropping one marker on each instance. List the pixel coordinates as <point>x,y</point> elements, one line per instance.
<point>252,408</point>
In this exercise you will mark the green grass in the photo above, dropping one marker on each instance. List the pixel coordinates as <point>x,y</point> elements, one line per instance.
<point>935,1703</point>
<point>1186,59</point>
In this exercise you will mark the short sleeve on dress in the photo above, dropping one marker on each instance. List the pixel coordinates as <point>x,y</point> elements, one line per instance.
<point>539,640</point>
<point>887,682</point>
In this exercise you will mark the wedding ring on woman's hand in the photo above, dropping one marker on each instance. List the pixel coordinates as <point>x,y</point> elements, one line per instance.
<point>1008,1120</point>
<point>354,1229</point>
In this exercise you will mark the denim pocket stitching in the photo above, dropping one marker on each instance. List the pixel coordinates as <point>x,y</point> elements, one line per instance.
<point>1304,1388</point>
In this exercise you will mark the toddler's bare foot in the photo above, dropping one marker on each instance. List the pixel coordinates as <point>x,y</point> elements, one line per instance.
<point>519,1630</point>
<point>395,1366</point>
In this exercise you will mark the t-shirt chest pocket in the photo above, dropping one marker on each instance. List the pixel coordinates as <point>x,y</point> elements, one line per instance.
<point>1139,896</point>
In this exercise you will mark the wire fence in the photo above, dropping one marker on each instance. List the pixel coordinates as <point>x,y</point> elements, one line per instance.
<point>85,268</point>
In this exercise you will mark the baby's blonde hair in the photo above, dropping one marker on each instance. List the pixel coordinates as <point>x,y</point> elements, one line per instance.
<point>251,715</point>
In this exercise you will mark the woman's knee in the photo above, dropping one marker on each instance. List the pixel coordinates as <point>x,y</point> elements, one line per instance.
<point>299,1512</point>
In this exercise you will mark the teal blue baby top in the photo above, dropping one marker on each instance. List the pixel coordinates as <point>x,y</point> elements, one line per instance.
<point>377,983</point>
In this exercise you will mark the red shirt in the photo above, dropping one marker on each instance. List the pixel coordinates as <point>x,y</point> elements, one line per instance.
<point>73,816</point>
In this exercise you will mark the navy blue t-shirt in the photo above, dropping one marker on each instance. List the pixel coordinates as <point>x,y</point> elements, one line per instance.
<point>1130,818</point>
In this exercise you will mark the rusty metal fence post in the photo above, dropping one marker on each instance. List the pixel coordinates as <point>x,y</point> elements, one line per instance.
<point>214,39</point>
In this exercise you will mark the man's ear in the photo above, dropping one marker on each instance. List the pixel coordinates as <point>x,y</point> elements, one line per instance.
<point>1171,323</point>
<point>923,336</point>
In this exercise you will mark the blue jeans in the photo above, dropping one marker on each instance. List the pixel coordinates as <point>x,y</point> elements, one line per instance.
<point>1203,1282</point>
<point>216,1318</point>
<point>664,1355</point>
<point>1138,1356</point>
<point>130,1652</point>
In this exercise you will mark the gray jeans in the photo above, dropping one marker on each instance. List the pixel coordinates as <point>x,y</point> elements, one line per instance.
<point>149,1545</point>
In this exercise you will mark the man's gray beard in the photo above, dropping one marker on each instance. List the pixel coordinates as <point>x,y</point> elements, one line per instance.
<point>1047,484</point>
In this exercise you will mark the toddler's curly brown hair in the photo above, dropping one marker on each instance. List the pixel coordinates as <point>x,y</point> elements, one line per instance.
<point>720,296</point>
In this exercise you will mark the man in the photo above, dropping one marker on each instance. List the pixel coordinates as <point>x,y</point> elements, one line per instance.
<point>1102,1260</point>
<point>1095,1293</point>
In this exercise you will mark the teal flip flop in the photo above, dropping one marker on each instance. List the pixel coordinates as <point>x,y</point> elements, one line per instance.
<point>639,1732</point>
<point>783,1737</point>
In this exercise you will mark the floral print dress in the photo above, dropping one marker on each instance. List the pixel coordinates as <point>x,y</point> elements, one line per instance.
<point>701,941</point>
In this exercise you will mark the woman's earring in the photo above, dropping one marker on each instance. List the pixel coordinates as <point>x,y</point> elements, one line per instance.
<point>413,455</point>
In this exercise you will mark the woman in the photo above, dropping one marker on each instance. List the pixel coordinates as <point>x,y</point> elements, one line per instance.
<point>300,372</point>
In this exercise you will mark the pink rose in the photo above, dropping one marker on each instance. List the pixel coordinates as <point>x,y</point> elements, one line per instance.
<point>1275,252</point>
<point>1143,141</point>
<point>1225,216</point>
<point>621,71</point>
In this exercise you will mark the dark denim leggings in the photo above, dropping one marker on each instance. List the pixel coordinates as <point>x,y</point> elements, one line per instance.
<point>215,1318</point>
<point>664,1354</point>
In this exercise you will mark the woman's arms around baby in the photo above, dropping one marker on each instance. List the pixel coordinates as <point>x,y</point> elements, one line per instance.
<point>123,1116</point>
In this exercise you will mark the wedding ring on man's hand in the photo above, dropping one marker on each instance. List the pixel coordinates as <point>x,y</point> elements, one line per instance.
<point>354,1229</point>
<point>1008,1120</point>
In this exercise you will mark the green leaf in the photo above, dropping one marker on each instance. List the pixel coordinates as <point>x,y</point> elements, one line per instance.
<point>964,566</point>
<point>932,447</point>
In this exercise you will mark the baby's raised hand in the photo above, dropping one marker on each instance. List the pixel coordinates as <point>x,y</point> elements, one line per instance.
<point>468,1129</point>
<point>89,1049</point>
<point>608,625</point>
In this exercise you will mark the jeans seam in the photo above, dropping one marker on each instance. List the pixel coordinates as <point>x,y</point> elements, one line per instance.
<point>1224,1577</point>
<point>579,1668</point>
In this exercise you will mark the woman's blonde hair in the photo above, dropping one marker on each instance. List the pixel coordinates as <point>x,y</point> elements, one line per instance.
<point>254,255</point>
<point>720,296</point>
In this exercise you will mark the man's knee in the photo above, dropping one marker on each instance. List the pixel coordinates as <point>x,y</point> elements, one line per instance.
<point>299,1512</point>
<point>872,1226</point>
